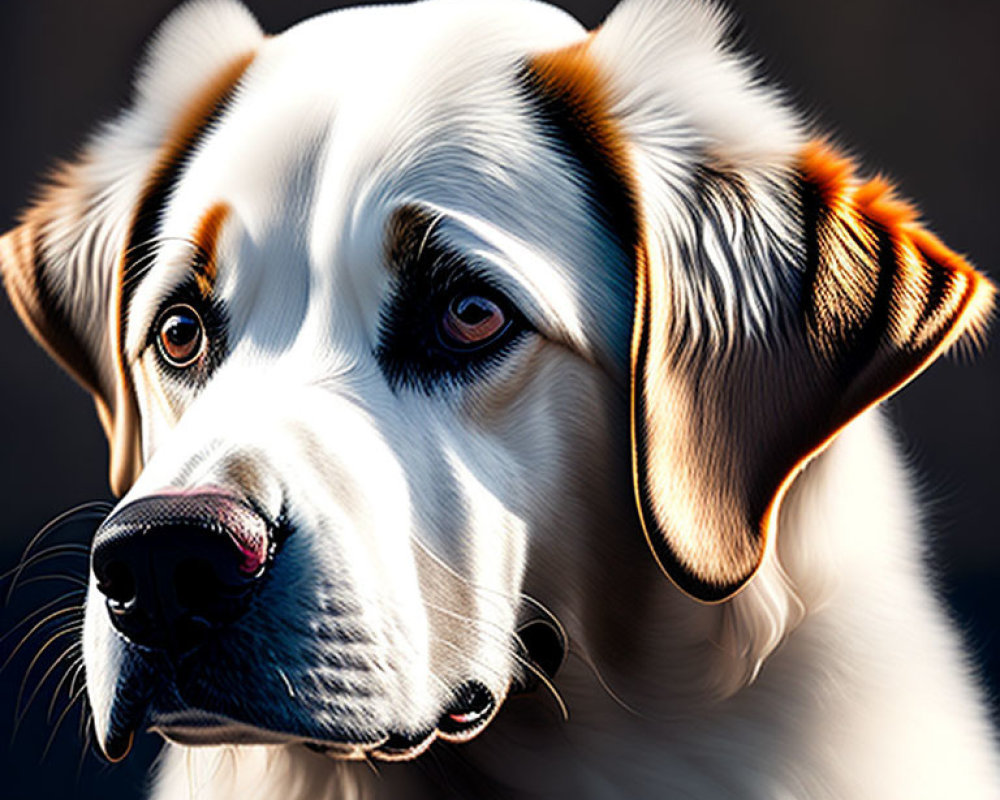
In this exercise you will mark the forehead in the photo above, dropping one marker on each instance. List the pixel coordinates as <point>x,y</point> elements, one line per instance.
<point>352,114</point>
<point>362,103</point>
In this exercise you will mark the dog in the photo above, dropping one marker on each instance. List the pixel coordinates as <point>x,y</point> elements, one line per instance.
<point>494,409</point>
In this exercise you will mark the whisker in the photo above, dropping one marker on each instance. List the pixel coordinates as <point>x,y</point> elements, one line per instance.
<point>86,715</point>
<point>92,511</point>
<point>102,507</point>
<point>584,658</point>
<point>548,613</point>
<point>67,548</point>
<point>56,551</point>
<point>57,576</point>
<point>30,616</point>
<point>497,635</point>
<point>150,250</point>
<point>471,621</point>
<point>542,677</point>
<point>75,666</point>
<point>427,233</point>
<point>55,730</point>
<point>37,626</point>
<point>69,626</point>
<point>19,712</point>
<point>81,672</point>
<point>546,681</point>
<point>605,686</point>
<point>372,765</point>
<point>137,270</point>
<point>483,591</point>
<point>88,739</point>
<point>492,591</point>
<point>475,623</point>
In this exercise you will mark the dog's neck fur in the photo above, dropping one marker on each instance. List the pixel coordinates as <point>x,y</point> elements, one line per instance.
<point>853,591</point>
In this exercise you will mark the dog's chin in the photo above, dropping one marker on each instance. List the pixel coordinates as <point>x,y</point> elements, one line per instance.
<point>197,728</point>
<point>163,711</point>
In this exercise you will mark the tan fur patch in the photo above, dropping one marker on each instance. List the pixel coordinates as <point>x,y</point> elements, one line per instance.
<point>206,237</point>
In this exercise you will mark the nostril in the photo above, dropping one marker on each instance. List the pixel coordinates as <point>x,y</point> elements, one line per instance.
<point>117,583</point>
<point>196,585</point>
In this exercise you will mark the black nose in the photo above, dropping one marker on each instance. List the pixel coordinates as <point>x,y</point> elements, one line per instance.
<point>175,568</point>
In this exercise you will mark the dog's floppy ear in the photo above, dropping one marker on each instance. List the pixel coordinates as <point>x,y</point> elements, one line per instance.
<point>721,427</point>
<point>777,296</point>
<point>65,265</point>
<point>60,268</point>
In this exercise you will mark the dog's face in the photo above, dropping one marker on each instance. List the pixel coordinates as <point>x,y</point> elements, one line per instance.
<point>369,309</point>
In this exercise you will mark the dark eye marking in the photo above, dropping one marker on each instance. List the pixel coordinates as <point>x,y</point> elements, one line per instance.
<point>189,335</point>
<point>447,322</point>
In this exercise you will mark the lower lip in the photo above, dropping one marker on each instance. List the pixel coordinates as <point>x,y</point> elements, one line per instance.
<point>217,734</point>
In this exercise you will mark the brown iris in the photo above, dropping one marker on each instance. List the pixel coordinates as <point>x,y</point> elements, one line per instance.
<point>181,336</point>
<point>472,321</point>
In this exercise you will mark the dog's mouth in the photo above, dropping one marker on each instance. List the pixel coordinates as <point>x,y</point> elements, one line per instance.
<point>164,697</point>
<point>471,709</point>
<point>469,713</point>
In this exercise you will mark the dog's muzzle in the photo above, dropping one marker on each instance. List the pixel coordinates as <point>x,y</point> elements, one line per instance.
<point>177,571</point>
<point>176,568</point>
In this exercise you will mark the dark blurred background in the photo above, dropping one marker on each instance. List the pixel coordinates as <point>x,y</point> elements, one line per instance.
<point>910,85</point>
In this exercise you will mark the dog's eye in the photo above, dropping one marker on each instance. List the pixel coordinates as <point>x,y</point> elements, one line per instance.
<point>446,329</point>
<point>472,321</point>
<point>181,336</point>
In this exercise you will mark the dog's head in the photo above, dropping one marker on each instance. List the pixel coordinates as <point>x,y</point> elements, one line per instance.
<point>408,312</point>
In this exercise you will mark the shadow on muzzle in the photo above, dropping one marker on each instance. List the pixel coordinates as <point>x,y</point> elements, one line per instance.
<point>175,569</point>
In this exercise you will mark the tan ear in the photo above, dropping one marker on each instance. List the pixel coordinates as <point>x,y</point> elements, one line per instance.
<point>33,300</point>
<point>29,278</point>
<point>720,432</point>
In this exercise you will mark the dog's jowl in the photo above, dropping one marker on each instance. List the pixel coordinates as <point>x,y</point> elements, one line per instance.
<point>461,367</point>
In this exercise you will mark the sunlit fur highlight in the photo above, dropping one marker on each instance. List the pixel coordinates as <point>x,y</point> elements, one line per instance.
<point>205,240</point>
<point>877,201</point>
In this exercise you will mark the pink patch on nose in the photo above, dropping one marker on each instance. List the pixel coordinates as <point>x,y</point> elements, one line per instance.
<point>248,532</point>
<point>251,542</point>
<point>251,559</point>
<point>246,528</point>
